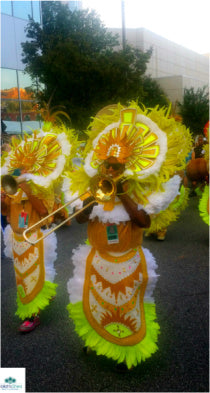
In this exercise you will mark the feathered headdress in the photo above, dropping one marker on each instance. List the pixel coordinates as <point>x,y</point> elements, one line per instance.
<point>134,140</point>
<point>41,156</point>
<point>152,145</point>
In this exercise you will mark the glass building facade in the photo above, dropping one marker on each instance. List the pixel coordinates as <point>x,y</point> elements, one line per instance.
<point>22,9</point>
<point>18,111</point>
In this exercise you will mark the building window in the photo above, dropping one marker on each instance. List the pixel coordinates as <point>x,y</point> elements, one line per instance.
<point>75,5</point>
<point>17,102</point>
<point>21,9</point>
<point>6,7</point>
<point>25,86</point>
<point>9,85</point>
<point>36,11</point>
<point>29,117</point>
<point>10,114</point>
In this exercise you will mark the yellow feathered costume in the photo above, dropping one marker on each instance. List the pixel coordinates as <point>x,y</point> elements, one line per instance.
<point>42,157</point>
<point>111,299</point>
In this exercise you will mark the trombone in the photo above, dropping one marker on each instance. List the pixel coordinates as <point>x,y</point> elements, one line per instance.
<point>10,183</point>
<point>102,188</point>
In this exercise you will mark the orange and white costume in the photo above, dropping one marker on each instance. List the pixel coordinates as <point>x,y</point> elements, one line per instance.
<point>42,158</point>
<point>111,290</point>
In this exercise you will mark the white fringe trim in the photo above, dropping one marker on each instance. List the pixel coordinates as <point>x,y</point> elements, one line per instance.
<point>159,201</point>
<point>87,167</point>
<point>8,242</point>
<point>76,283</point>
<point>50,255</point>
<point>117,215</point>
<point>152,276</point>
<point>162,142</point>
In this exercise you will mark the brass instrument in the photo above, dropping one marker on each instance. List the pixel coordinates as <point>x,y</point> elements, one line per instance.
<point>10,183</point>
<point>102,188</point>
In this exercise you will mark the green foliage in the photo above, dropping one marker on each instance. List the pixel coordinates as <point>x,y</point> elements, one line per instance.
<point>79,62</point>
<point>153,93</point>
<point>195,109</point>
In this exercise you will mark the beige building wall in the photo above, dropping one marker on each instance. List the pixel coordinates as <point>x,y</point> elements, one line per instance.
<point>173,66</point>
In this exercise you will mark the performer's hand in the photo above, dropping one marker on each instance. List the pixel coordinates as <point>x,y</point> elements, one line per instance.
<point>4,203</point>
<point>89,208</point>
<point>120,189</point>
<point>3,196</point>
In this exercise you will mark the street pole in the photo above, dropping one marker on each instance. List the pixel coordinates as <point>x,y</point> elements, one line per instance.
<point>123,23</point>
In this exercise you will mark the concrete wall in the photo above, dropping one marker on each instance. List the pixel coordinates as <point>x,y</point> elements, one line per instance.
<point>173,66</point>
<point>174,86</point>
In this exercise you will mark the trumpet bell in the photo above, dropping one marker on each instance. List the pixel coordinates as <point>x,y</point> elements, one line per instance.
<point>9,184</point>
<point>103,188</point>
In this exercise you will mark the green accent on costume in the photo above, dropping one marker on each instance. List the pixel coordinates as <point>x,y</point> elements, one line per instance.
<point>198,192</point>
<point>181,201</point>
<point>39,303</point>
<point>118,330</point>
<point>203,205</point>
<point>132,355</point>
<point>21,291</point>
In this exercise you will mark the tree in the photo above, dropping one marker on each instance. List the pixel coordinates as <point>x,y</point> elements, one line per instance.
<point>195,109</point>
<point>78,62</point>
<point>153,93</point>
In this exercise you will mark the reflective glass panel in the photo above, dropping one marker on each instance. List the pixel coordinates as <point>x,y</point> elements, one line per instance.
<point>9,84</point>
<point>6,7</point>
<point>36,11</point>
<point>75,5</point>
<point>30,118</point>
<point>21,9</point>
<point>10,114</point>
<point>25,86</point>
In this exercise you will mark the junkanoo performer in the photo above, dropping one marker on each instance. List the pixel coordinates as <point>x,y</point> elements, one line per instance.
<point>204,204</point>
<point>40,158</point>
<point>111,300</point>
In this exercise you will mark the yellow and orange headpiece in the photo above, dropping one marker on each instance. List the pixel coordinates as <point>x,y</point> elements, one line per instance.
<point>135,140</point>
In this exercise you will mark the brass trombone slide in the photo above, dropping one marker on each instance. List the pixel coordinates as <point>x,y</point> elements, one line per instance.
<point>59,225</point>
<point>102,188</point>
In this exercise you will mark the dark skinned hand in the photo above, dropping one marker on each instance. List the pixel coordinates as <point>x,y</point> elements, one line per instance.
<point>120,189</point>
<point>89,208</point>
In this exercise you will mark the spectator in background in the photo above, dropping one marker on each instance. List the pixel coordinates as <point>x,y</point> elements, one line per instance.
<point>198,151</point>
<point>3,127</point>
<point>4,134</point>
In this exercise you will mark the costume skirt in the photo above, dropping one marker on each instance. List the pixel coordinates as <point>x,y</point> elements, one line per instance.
<point>34,270</point>
<point>111,302</point>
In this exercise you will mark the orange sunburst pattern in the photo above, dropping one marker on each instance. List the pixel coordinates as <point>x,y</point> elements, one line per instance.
<point>37,155</point>
<point>109,317</point>
<point>132,143</point>
<point>113,145</point>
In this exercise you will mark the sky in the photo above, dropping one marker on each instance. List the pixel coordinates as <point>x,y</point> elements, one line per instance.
<point>185,22</point>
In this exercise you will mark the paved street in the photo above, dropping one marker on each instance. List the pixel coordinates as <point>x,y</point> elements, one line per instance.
<point>52,354</point>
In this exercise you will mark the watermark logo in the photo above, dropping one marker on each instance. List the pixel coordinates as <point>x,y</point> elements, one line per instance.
<point>12,380</point>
